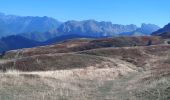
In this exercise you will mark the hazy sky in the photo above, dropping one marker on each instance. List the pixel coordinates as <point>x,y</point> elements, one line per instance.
<point>116,11</point>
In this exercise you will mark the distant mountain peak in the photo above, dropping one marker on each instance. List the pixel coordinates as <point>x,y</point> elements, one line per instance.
<point>149,28</point>
<point>143,25</point>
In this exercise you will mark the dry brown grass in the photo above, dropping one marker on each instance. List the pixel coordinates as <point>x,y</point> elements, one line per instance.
<point>125,73</point>
<point>85,44</point>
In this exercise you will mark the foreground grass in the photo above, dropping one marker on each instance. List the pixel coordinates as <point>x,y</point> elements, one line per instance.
<point>138,73</point>
<point>53,86</point>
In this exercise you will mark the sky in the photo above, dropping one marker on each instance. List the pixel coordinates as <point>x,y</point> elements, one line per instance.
<point>117,11</point>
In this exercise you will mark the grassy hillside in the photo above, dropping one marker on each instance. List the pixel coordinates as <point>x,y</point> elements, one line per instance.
<point>88,70</point>
<point>86,44</point>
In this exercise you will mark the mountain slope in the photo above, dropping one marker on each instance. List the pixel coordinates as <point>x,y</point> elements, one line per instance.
<point>11,24</point>
<point>16,42</point>
<point>165,35</point>
<point>39,36</point>
<point>148,28</point>
<point>163,31</point>
<point>68,37</point>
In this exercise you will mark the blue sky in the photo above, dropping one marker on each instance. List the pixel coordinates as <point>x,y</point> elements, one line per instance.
<point>116,11</point>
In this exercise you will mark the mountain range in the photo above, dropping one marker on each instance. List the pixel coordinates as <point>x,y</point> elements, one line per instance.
<point>28,31</point>
<point>44,28</point>
<point>94,29</point>
<point>12,24</point>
